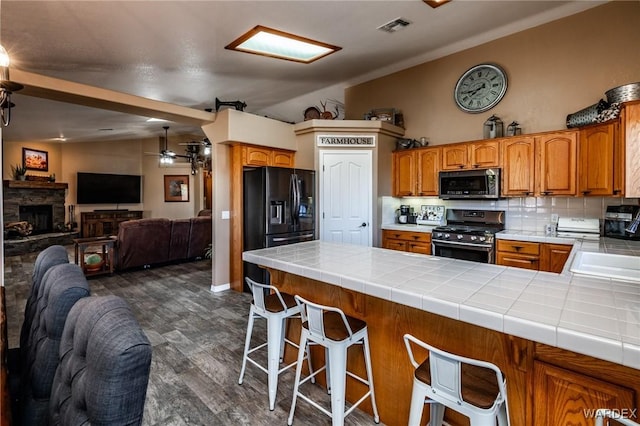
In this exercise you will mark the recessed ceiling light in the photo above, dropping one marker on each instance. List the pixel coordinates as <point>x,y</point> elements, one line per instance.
<point>156,119</point>
<point>279,44</point>
<point>436,3</point>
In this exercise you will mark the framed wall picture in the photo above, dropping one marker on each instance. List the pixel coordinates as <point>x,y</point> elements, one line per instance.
<point>176,188</point>
<point>34,159</point>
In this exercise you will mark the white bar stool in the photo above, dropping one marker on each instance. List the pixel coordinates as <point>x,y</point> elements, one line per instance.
<point>276,308</point>
<point>603,413</point>
<point>470,387</point>
<point>336,332</point>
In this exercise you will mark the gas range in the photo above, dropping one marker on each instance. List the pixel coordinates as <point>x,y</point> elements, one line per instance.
<point>468,235</point>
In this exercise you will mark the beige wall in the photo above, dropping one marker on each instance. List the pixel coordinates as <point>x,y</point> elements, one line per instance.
<point>553,70</point>
<point>117,157</point>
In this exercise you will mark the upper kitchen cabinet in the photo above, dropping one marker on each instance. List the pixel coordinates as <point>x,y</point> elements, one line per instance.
<point>518,166</point>
<point>471,155</point>
<point>415,172</point>
<point>557,154</point>
<point>263,156</point>
<point>630,145</point>
<point>596,161</point>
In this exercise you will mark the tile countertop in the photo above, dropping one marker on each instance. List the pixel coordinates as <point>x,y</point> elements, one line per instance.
<point>599,317</point>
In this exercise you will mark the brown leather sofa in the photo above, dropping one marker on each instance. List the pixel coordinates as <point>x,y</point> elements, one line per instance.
<point>155,241</point>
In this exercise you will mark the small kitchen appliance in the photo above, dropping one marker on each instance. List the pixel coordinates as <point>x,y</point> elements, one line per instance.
<point>404,213</point>
<point>579,227</point>
<point>622,222</point>
<point>468,235</point>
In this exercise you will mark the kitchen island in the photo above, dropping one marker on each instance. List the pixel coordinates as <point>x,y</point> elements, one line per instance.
<point>566,343</point>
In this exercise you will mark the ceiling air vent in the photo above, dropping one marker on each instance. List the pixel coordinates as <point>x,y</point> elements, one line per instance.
<point>395,25</point>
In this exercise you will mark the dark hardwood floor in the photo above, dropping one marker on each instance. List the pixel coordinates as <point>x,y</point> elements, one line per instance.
<point>197,339</point>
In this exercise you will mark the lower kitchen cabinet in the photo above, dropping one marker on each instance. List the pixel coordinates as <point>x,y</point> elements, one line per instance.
<point>529,255</point>
<point>561,396</point>
<point>414,242</point>
<point>521,254</point>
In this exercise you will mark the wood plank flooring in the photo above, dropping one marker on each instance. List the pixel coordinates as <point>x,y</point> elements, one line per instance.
<point>198,338</point>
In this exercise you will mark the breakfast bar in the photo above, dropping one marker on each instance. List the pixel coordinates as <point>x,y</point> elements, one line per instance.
<point>567,343</point>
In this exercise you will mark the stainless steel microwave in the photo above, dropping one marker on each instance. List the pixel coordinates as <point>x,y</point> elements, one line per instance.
<point>470,184</point>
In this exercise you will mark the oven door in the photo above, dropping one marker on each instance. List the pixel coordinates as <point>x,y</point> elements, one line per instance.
<point>483,253</point>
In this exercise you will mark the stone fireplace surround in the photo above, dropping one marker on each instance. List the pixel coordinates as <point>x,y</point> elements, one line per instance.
<point>34,193</point>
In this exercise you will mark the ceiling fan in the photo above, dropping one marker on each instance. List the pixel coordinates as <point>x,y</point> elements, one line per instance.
<point>192,155</point>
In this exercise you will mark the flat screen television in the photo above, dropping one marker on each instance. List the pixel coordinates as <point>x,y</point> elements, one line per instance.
<point>104,188</point>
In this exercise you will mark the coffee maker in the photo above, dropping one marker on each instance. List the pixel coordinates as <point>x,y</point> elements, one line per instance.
<point>404,212</point>
<point>622,222</point>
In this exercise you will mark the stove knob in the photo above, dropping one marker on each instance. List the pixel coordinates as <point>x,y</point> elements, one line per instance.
<point>446,236</point>
<point>482,238</point>
<point>473,238</point>
<point>460,237</point>
<point>438,234</point>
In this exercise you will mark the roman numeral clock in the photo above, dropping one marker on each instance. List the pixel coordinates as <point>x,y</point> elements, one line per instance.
<point>480,88</point>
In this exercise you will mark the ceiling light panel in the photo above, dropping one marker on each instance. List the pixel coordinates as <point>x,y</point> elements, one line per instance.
<point>278,44</point>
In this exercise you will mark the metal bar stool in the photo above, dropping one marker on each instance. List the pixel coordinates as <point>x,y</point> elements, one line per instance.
<point>603,413</point>
<point>470,387</point>
<point>276,308</point>
<point>336,332</point>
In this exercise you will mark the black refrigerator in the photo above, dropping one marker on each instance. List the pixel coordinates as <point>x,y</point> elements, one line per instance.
<point>279,208</point>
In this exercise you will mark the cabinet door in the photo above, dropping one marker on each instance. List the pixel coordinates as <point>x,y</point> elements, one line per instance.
<point>455,157</point>
<point>282,158</point>
<point>554,256</point>
<point>557,165</point>
<point>428,165</point>
<point>394,244</point>
<point>518,167</point>
<point>404,173</point>
<point>254,156</point>
<point>631,125</point>
<point>595,149</point>
<point>484,154</point>
<point>562,397</point>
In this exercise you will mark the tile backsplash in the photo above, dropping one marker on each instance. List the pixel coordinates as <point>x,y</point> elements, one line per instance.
<point>522,214</point>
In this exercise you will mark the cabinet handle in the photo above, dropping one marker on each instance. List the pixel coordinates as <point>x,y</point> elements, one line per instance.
<point>461,166</point>
<point>586,192</point>
<point>617,191</point>
<point>415,237</point>
<point>475,166</point>
<point>546,192</point>
<point>518,248</point>
<point>526,193</point>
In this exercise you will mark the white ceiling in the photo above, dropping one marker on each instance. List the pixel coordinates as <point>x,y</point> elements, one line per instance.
<point>173,51</point>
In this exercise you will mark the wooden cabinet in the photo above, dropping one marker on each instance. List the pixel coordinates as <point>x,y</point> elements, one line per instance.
<point>98,224</point>
<point>554,256</point>
<point>561,397</point>
<point>596,159</point>
<point>415,172</point>
<point>404,173</point>
<point>530,255</point>
<point>262,156</point>
<point>556,155</point>
<point>471,155</point>
<point>630,137</point>
<point>414,242</point>
<point>520,254</point>
<point>518,166</point>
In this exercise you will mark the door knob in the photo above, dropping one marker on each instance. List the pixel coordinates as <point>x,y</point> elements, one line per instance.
<point>364,225</point>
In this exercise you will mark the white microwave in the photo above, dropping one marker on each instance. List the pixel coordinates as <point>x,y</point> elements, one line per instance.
<point>470,184</point>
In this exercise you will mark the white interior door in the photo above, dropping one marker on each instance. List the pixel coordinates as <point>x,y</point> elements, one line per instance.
<point>346,194</point>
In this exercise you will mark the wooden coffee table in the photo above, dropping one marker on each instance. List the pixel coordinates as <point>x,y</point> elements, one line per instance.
<point>103,246</point>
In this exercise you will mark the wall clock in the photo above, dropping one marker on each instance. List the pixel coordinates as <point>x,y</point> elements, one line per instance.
<point>480,88</point>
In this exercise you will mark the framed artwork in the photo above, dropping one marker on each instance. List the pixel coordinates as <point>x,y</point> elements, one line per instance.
<point>33,159</point>
<point>176,188</point>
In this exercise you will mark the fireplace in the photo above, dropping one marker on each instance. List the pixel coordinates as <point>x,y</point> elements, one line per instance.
<point>40,216</point>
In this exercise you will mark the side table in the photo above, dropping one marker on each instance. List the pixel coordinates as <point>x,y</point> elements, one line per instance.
<point>105,247</point>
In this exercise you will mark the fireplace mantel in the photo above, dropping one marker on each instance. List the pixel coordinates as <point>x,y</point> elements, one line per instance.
<point>32,184</point>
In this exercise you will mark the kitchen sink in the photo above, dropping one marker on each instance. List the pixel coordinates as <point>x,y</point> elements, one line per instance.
<point>616,266</point>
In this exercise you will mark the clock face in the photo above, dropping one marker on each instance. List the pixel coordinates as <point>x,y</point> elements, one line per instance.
<point>480,88</point>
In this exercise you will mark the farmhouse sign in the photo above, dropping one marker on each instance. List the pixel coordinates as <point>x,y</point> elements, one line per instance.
<point>346,140</point>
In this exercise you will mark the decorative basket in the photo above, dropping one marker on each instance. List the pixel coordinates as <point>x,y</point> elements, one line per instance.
<point>628,92</point>
<point>587,115</point>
